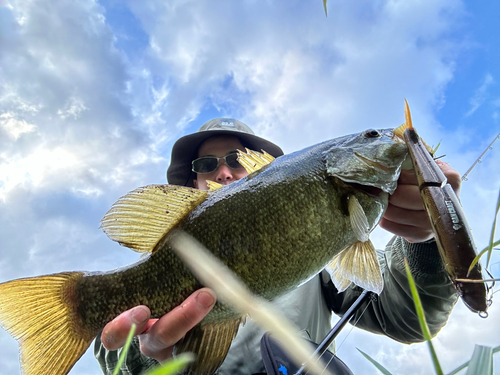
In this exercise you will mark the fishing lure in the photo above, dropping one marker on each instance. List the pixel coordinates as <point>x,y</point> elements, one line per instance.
<point>453,236</point>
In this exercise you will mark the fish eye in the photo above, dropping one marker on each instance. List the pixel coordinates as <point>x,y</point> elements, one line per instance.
<point>372,133</point>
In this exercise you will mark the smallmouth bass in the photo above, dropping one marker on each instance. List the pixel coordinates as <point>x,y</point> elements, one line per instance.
<point>276,228</point>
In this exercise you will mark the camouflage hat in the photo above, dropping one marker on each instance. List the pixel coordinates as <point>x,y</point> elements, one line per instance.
<point>185,150</point>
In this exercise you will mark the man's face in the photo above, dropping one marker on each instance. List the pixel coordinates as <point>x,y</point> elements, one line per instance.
<point>219,145</point>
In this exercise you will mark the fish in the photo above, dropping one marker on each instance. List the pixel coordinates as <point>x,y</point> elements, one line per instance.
<point>452,232</point>
<point>275,229</point>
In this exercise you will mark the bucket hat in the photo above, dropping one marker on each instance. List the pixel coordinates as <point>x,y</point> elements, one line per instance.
<point>185,150</point>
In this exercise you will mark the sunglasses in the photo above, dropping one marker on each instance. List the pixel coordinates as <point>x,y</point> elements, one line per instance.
<point>207,164</point>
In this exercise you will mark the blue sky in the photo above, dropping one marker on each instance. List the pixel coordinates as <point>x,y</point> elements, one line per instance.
<point>93,95</point>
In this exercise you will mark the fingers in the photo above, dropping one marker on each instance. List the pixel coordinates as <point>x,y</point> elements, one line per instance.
<point>406,216</point>
<point>411,233</point>
<point>115,333</point>
<point>157,336</point>
<point>409,217</point>
<point>158,340</point>
<point>407,197</point>
<point>407,177</point>
<point>454,178</point>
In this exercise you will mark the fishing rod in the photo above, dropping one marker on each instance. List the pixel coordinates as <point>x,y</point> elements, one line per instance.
<point>327,341</point>
<point>479,159</point>
<point>278,362</point>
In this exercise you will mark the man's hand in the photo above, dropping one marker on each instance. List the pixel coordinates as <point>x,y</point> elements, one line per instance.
<point>406,216</point>
<point>158,336</point>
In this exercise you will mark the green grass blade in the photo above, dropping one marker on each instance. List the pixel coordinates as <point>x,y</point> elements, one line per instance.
<point>421,318</point>
<point>434,150</point>
<point>492,236</point>
<point>481,253</point>
<point>379,367</point>
<point>326,10</point>
<point>123,354</point>
<point>489,248</point>
<point>173,366</point>
<point>481,361</point>
<point>460,368</point>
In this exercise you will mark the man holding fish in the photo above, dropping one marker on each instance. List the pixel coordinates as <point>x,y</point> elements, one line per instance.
<point>210,155</point>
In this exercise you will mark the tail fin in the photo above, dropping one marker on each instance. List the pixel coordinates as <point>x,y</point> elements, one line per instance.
<point>39,312</point>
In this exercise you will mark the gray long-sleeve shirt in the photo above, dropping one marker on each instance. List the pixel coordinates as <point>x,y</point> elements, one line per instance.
<point>310,307</point>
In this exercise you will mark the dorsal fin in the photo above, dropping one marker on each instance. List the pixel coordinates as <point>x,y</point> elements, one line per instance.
<point>399,131</point>
<point>141,218</point>
<point>253,161</point>
<point>212,185</point>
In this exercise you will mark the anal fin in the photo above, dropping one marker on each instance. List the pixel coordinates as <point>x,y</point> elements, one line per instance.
<point>210,343</point>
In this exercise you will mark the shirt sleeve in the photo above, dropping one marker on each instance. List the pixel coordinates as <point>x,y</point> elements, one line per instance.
<point>134,364</point>
<point>393,313</point>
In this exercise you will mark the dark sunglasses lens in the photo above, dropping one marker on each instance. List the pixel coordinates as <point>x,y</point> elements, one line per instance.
<point>205,165</point>
<point>232,161</point>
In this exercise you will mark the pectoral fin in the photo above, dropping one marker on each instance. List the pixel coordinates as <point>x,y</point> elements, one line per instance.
<point>340,282</point>
<point>359,221</point>
<point>359,264</point>
<point>253,161</point>
<point>141,218</point>
<point>210,344</point>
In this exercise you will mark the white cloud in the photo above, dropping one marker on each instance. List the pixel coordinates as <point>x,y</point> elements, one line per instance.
<point>303,71</point>
<point>63,101</point>
<point>73,108</point>
<point>480,94</point>
<point>14,127</point>
<point>35,168</point>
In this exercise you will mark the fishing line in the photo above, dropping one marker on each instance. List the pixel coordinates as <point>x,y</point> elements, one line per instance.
<point>489,289</point>
<point>356,322</point>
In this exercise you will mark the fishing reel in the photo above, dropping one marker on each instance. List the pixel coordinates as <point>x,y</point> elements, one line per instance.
<point>278,362</point>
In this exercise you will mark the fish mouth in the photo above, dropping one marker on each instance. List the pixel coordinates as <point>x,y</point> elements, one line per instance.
<point>372,163</point>
<point>370,190</point>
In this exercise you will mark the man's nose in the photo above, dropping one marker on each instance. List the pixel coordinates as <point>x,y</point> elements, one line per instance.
<point>224,175</point>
